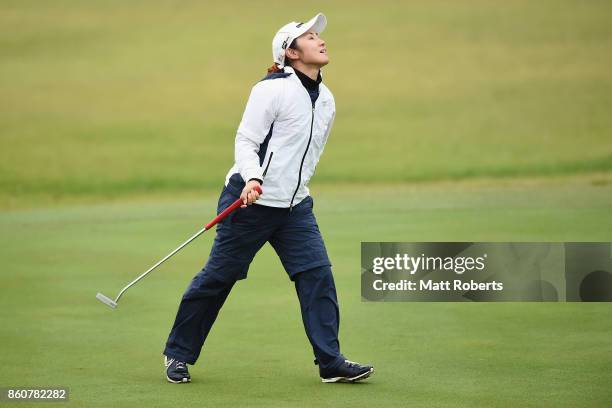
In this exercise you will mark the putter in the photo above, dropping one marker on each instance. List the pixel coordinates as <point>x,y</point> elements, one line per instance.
<point>236,204</point>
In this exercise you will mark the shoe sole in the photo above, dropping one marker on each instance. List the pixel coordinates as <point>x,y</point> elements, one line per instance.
<point>184,380</point>
<point>348,379</point>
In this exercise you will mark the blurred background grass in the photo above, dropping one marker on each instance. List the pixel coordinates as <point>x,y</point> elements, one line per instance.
<point>106,98</point>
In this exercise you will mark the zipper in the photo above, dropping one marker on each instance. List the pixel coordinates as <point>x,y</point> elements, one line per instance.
<point>267,165</point>
<point>303,157</point>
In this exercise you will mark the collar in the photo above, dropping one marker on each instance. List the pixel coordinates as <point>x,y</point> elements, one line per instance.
<point>308,82</point>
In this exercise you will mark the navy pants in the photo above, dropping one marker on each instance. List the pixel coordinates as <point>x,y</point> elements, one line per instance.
<point>296,238</point>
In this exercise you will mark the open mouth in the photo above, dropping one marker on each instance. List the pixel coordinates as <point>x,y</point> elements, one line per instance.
<point>323,51</point>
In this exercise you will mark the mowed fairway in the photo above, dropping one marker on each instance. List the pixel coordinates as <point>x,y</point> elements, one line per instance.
<point>54,332</point>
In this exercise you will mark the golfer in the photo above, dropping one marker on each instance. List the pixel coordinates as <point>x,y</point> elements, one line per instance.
<point>279,141</point>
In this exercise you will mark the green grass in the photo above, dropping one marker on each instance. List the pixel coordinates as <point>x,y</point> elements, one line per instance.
<point>101,99</point>
<point>54,332</point>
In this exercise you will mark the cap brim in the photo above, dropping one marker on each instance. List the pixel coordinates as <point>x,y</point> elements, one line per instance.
<point>316,24</point>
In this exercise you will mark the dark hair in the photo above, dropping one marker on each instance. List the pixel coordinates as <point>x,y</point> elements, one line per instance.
<point>275,67</point>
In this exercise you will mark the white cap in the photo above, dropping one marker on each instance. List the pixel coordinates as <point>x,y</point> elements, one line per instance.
<point>290,32</point>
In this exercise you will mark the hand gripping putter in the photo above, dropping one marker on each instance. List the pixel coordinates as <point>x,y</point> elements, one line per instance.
<point>236,204</point>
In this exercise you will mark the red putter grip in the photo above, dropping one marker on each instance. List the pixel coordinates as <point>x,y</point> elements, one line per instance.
<point>236,204</point>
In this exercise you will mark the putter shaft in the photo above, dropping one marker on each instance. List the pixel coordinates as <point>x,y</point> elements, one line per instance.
<point>235,205</point>
<point>194,236</point>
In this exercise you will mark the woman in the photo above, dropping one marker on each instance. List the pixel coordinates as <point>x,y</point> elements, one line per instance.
<point>282,134</point>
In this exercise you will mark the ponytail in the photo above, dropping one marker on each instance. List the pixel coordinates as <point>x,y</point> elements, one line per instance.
<point>274,68</point>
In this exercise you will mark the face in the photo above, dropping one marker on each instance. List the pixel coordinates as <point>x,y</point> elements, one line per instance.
<point>312,50</point>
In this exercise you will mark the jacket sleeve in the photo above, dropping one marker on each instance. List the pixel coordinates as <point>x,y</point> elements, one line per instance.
<point>260,112</point>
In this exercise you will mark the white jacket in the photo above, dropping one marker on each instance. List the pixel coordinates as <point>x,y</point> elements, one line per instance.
<point>281,138</point>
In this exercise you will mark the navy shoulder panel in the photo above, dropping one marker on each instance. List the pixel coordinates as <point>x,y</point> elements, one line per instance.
<point>275,75</point>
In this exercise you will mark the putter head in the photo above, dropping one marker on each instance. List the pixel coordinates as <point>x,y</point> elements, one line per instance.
<point>106,300</point>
